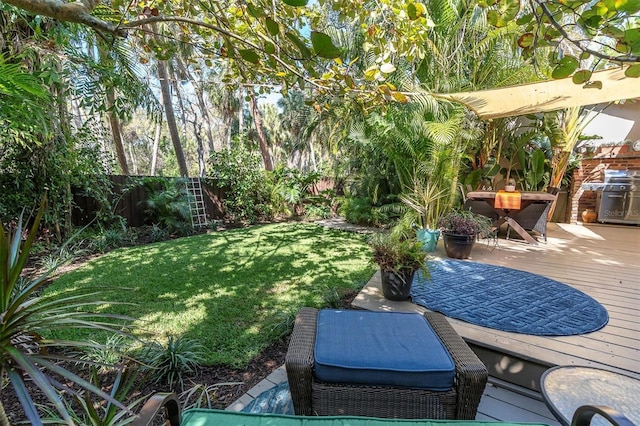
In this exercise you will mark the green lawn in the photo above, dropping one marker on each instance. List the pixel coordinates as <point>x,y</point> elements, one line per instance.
<point>226,289</point>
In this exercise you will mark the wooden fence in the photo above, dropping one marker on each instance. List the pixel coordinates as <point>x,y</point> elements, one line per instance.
<point>131,203</point>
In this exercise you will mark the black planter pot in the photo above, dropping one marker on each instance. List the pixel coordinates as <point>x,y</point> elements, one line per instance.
<point>397,285</point>
<point>458,246</point>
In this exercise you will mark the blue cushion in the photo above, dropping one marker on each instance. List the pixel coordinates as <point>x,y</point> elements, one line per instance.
<point>381,348</point>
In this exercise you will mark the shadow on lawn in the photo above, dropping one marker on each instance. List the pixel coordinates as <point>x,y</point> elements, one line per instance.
<point>229,290</point>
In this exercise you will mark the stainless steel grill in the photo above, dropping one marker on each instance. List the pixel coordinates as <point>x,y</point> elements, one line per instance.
<point>620,198</point>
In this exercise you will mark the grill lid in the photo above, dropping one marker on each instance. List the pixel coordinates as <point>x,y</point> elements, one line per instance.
<point>620,176</point>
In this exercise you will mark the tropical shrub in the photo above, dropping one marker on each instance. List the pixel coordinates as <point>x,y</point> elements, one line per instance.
<point>27,352</point>
<point>360,210</point>
<point>292,190</point>
<point>107,356</point>
<point>247,188</point>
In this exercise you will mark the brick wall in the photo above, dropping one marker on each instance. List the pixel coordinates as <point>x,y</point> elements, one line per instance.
<point>592,170</point>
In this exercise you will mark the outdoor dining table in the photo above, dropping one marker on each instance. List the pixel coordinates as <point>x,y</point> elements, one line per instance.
<point>505,215</point>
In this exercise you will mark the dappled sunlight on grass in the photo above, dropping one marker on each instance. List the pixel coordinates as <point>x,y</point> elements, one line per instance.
<point>227,289</point>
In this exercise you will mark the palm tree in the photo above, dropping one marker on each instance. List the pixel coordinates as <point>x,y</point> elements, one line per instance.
<point>22,96</point>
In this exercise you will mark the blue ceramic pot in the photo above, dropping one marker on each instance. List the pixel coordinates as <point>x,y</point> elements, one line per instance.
<point>428,238</point>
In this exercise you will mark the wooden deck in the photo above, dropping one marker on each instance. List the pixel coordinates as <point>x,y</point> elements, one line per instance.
<point>603,261</point>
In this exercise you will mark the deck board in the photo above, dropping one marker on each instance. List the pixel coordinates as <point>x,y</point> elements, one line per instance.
<point>602,261</point>
<point>498,404</point>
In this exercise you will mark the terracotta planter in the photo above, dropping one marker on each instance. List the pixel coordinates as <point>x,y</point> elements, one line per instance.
<point>397,286</point>
<point>458,246</point>
<point>589,216</point>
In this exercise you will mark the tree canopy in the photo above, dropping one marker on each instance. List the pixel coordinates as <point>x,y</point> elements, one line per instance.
<point>289,41</point>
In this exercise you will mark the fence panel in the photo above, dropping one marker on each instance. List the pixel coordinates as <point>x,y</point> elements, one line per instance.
<point>131,204</point>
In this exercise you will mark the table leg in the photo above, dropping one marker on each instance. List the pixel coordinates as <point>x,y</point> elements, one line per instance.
<point>521,231</point>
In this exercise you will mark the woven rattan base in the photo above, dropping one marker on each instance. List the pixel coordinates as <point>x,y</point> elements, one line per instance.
<point>385,402</point>
<point>311,397</point>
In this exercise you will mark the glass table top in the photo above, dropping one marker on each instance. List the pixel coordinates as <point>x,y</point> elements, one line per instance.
<point>567,388</point>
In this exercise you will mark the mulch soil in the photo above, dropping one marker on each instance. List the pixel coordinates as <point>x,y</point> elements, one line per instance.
<point>259,368</point>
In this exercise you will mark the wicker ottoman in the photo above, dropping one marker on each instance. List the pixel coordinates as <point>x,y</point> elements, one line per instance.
<point>314,397</point>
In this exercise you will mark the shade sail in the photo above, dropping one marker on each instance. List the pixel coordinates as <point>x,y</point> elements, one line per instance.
<point>548,95</point>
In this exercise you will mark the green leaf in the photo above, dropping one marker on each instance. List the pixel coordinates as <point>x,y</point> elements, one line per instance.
<point>249,55</point>
<point>323,45</point>
<point>593,84</point>
<point>524,19</point>
<point>632,40</point>
<point>629,6</point>
<point>415,10</point>
<point>565,67</point>
<point>633,71</point>
<point>581,76</point>
<point>228,50</point>
<point>612,31</point>
<point>593,18</point>
<point>349,81</point>
<point>296,3</point>
<point>526,40</point>
<point>269,48</point>
<point>254,11</point>
<point>507,10</point>
<point>22,393</point>
<point>272,26</point>
<point>304,50</point>
<point>493,18</point>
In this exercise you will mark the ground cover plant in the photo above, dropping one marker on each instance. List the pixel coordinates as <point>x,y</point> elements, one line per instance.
<point>233,291</point>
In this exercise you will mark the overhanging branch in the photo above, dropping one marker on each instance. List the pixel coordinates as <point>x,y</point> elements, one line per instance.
<point>597,54</point>
<point>218,29</point>
<point>78,12</point>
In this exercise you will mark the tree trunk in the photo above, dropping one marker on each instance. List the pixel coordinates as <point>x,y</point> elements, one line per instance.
<point>163,76</point>
<point>114,121</point>
<point>197,130</point>
<point>199,96</point>
<point>262,139</point>
<point>156,143</point>
<point>116,132</point>
<point>240,111</point>
<point>181,105</point>
<point>132,155</point>
<point>64,123</point>
<point>312,154</point>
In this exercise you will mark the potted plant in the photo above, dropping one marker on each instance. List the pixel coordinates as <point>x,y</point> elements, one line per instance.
<point>399,258</point>
<point>426,203</point>
<point>460,230</point>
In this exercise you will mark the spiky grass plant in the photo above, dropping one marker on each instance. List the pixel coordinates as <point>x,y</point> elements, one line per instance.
<point>26,354</point>
<point>172,362</point>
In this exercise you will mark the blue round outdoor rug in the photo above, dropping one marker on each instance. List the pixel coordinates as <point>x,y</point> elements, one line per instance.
<point>507,299</point>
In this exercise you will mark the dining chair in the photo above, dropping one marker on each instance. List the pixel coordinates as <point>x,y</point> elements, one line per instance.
<point>534,217</point>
